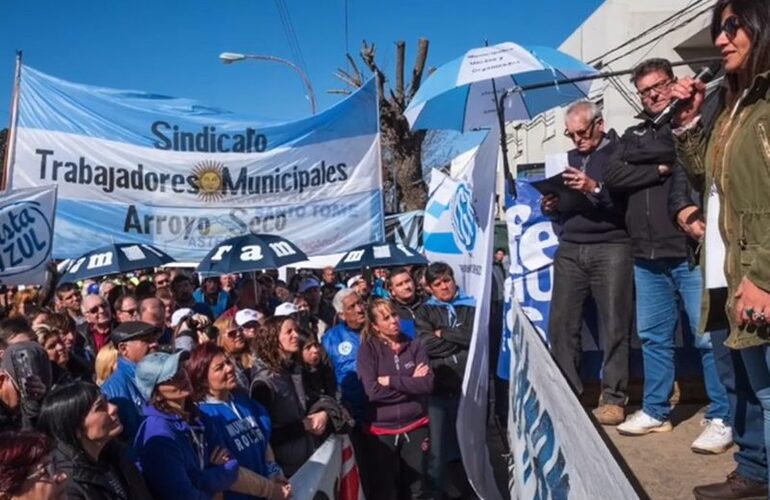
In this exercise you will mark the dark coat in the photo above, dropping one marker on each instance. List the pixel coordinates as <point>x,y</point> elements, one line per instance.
<point>604,221</point>
<point>403,400</point>
<point>448,353</point>
<point>114,477</point>
<point>633,168</point>
<point>284,395</point>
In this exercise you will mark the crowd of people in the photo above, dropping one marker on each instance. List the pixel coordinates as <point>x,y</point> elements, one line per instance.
<point>681,210</point>
<point>155,385</point>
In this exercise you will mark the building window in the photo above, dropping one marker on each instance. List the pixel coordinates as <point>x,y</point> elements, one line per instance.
<point>549,123</point>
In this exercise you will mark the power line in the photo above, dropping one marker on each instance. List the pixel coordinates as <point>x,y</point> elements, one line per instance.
<point>347,39</point>
<point>291,35</point>
<point>673,17</point>
<point>669,31</point>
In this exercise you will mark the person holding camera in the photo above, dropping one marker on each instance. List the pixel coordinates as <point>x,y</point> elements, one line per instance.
<point>190,329</point>
<point>25,378</point>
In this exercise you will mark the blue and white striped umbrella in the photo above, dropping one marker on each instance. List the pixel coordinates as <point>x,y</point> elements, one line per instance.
<point>459,94</point>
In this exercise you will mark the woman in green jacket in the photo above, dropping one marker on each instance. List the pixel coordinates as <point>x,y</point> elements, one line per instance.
<point>732,164</point>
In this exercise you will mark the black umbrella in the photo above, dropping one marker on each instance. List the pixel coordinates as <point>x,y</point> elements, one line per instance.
<point>115,259</point>
<point>375,255</point>
<point>250,252</point>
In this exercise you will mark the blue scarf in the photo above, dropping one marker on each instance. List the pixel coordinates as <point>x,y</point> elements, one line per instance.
<point>459,300</point>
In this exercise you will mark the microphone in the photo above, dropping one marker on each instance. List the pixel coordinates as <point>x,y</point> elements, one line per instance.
<point>705,75</point>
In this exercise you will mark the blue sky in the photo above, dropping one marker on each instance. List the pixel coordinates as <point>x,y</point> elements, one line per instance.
<point>172,46</point>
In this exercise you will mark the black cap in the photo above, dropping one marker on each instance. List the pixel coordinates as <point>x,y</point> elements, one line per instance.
<point>131,330</point>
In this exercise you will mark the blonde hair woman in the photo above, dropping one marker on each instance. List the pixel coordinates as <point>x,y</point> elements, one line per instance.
<point>106,362</point>
<point>237,348</point>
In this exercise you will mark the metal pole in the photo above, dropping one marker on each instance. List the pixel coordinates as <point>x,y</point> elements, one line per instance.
<point>10,144</point>
<point>305,79</point>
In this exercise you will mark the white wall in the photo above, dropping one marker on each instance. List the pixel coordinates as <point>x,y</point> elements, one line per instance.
<point>612,24</point>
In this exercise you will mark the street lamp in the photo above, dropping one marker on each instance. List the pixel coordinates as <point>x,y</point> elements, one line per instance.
<point>231,57</point>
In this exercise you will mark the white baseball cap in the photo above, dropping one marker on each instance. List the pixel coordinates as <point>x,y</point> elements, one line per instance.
<point>355,279</point>
<point>179,315</point>
<point>247,316</point>
<point>286,309</point>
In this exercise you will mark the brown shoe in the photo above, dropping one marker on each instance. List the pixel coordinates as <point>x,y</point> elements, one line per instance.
<point>608,414</point>
<point>735,487</point>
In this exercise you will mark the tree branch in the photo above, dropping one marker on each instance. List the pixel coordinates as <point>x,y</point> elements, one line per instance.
<point>399,91</point>
<point>419,67</point>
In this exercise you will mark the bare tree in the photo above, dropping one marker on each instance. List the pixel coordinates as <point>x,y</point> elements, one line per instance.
<point>402,147</point>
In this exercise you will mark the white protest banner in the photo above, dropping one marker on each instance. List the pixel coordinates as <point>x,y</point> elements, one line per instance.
<point>459,230</point>
<point>557,452</point>
<point>145,168</point>
<point>330,473</point>
<point>26,235</point>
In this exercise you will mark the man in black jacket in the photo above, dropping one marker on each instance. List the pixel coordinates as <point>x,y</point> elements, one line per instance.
<point>663,274</point>
<point>593,258</point>
<point>444,325</point>
<point>404,296</point>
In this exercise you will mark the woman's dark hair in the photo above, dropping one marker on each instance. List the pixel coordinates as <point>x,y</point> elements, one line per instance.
<point>61,322</point>
<point>64,411</point>
<point>20,453</point>
<point>437,270</point>
<point>198,367</point>
<point>754,17</point>
<point>267,347</point>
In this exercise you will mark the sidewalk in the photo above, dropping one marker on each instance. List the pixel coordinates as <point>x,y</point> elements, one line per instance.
<point>664,464</point>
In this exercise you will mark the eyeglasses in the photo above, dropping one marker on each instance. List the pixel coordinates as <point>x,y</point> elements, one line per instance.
<point>161,283</point>
<point>233,333</point>
<point>129,311</point>
<point>96,308</point>
<point>582,134</point>
<point>657,88</point>
<point>730,27</point>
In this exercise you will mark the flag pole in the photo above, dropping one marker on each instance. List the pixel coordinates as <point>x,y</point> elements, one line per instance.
<point>10,144</point>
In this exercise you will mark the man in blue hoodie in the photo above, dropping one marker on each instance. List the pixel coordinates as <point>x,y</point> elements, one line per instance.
<point>133,340</point>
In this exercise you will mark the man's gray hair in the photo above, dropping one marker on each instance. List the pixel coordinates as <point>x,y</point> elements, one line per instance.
<point>591,109</point>
<point>339,297</point>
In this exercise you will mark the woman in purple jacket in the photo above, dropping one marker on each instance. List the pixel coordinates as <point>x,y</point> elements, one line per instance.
<point>397,379</point>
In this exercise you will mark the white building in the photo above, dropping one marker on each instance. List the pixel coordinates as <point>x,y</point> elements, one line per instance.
<point>617,36</point>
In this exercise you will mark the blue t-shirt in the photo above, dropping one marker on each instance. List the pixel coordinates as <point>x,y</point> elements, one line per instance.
<point>243,426</point>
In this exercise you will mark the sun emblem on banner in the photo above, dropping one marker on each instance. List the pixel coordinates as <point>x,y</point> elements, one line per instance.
<point>209,174</point>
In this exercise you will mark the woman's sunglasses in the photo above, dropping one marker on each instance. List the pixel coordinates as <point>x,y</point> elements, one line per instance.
<point>730,27</point>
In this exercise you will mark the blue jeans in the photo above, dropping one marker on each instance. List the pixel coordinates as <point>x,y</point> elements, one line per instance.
<point>658,284</point>
<point>745,410</point>
<point>757,361</point>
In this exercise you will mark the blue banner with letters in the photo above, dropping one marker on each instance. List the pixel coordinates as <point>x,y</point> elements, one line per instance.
<point>26,235</point>
<point>533,244</point>
<point>133,166</point>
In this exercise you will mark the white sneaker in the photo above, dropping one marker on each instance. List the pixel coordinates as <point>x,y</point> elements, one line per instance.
<point>716,438</point>
<point>639,424</point>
